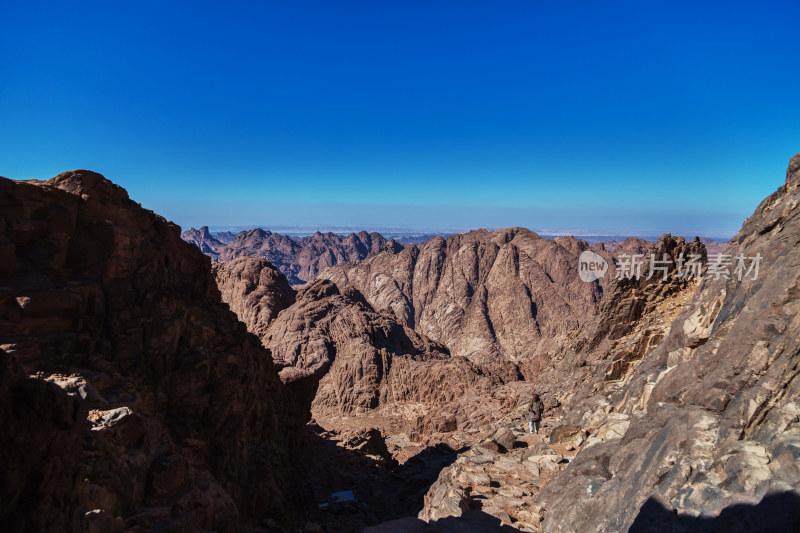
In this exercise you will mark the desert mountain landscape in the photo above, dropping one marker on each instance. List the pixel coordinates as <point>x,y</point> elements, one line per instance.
<point>300,260</point>
<point>145,387</point>
<point>399,267</point>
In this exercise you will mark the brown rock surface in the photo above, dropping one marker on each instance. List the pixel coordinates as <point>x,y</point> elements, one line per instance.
<point>365,360</point>
<point>631,245</point>
<point>188,425</point>
<point>40,445</point>
<point>505,295</point>
<point>254,290</point>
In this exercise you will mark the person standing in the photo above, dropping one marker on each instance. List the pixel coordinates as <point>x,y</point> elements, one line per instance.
<point>535,410</point>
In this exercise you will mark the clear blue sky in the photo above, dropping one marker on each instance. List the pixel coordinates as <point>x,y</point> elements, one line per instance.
<point>643,116</point>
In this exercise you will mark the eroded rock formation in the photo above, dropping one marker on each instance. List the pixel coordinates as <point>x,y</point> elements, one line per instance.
<point>709,418</point>
<point>254,290</point>
<point>131,396</point>
<point>365,359</point>
<point>506,295</point>
<point>203,239</point>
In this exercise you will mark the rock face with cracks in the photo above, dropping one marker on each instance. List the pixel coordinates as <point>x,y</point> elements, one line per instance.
<point>363,359</point>
<point>254,290</point>
<point>709,417</point>
<point>132,397</point>
<point>506,295</point>
<point>675,408</point>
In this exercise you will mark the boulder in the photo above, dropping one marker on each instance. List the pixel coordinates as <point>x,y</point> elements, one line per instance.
<point>566,433</point>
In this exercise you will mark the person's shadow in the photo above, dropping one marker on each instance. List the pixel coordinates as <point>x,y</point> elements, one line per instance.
<point>775,513</point>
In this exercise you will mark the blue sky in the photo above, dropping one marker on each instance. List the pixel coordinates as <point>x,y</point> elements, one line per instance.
<point>602,116</point>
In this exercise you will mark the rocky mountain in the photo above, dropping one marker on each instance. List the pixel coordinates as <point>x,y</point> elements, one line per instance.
<point>675,408</point>
<point>715,247</point>
<point>224,236</point>
<point>203,239</point>
<point>341,357</point>
<point>708,418</point>
<point>631,245</point>
<point>254,290</point>
<point>505,295</point>
<point>132,397</point>
<point>367,362</point>
<point>300,260</point>
<point>343,339</point>
<point>135,400</point>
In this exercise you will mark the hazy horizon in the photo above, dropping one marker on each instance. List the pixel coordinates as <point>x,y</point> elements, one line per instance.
<point>300,230</point>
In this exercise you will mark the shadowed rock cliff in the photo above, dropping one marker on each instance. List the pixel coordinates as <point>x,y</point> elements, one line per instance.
<point>133,396</point>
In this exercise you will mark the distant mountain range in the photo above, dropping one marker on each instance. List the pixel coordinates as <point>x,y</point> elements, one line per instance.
<point>299,259</point>
<point>301,256</point>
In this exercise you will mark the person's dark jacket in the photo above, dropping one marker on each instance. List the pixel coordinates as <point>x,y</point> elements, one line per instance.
<point>535,410</point>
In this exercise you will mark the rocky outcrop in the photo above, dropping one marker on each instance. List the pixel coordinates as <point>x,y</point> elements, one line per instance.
<point>254,290</point>
<point>224,237</point>
<point>203,239</point>
<point>708,418</point>
<point>631,245</point>
<point>132,398</point>
<point>300,260</point>
<point>364,359</point>
<point>367,361</point>
<point>40,446</point>
<point>680,398</point>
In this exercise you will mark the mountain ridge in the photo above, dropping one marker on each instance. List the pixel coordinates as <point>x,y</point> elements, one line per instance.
<point>300,260</point>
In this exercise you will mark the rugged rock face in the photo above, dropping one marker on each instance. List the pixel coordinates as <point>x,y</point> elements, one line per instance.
<point>680,398</point>
<point>631,245</point>
<point>40,445</point>
<point>340,338</point>
<point>254,290</point>
<point>365,359</point>
<point>300,260</point>
<point>505,295</point>
<point>105,310</point>
<point>709,418</point>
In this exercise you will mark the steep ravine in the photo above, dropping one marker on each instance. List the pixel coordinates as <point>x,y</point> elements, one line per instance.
<point>677,408</point>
